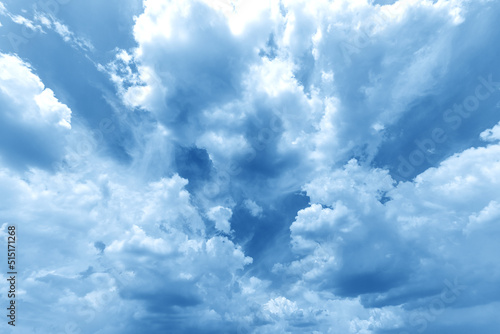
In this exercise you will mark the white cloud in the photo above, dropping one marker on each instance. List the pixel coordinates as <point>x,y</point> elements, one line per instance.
<point>154,244</point>
<point>316,120</point>
<point>3,10</point>
<point>18,81</point>
<point>254,209</point>
<point>445,212</point>
<point>31,114</point>
<point>492,134</point>
<point>221,145</point>
<point>221,216</point>
<point>280,306</point>
<point>49,106</point>
<point>25,22</point>
<point>19,19</point>
<point>490,214</point>
<point>51,22</point>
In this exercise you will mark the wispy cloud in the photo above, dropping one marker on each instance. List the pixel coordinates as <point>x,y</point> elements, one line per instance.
<point>63,30</point>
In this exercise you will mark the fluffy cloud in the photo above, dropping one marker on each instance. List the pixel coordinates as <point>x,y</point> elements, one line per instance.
<point>289,98</point>
<point>420,242</point>
<point>41,106</point>
<point>491,134</point>
<point>146,252</point>
<point>33,120</point>
<point>221,216</point>
<point>299,97</point>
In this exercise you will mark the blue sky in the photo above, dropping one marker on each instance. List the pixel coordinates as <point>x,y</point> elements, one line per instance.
<point>233,166</point>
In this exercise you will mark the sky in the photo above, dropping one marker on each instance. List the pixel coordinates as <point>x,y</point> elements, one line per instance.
<point>237,166</point>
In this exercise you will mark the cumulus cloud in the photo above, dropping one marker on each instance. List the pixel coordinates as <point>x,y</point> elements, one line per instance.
<point>32,117</point>
<point>221,216</point>
<point>311,113</point>
<point>418,243</point>
<point>154,252</point>
<point>304,96</point>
